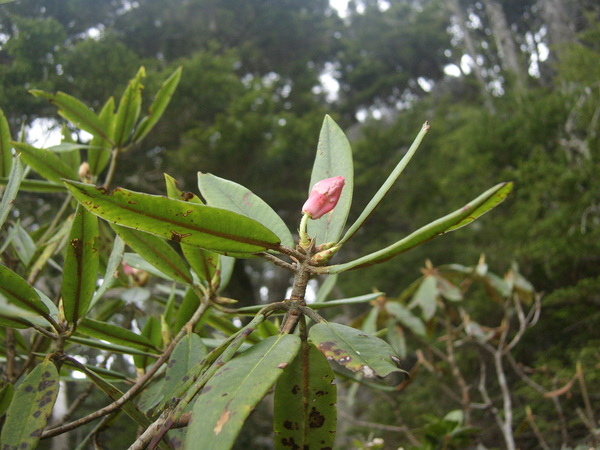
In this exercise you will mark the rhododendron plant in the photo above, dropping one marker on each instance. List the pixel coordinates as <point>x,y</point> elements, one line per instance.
<point>189,351</point>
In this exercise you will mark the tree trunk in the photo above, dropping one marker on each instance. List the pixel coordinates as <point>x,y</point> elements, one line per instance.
<point>559,24</point>
<point>461,19</point>
<point>507,48</point>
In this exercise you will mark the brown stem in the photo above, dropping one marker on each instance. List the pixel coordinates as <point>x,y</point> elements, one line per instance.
<point>9,375</point>
<point>296,300</point>
<point>460,380</point>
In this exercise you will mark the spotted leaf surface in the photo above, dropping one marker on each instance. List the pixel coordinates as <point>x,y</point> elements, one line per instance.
<point>354,349</point>
<point>194,224</point>
<point>305,415</point>
<point>31,407</point>
<point>235,389</point>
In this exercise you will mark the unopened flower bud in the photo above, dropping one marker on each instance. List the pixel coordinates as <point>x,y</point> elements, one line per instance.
<point>84,171</point>
<point>324,256</point>
<point>323,197</point>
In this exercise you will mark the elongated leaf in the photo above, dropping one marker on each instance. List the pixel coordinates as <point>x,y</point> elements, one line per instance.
<point>203,226</point>
<point>202,262</point>
<point>6,395</point>
<point>115,334</point>
<point>12,316</point>
<point>23,244</point>
<point>113,348</point>
<point>20,293</point>
<point>99,152</point>
<point>387,185</point>
<point>153,332</point>
<point>36,185</point>
<point>31,408</point>
<point>72,157</point>
<point>235,389</point>
<point>46,163</point>
<point>67,147</point>
<point>235,197</point>
<point>188,352</point>
<point>6,157</point>
<point>157,252</point>
<point>305,415</point>
<point>450,222</point>
<point>189,305</point>
<point>426,296</point>
<point>354,349</point>
<point>81,265</point>
<point>77,112</point>
<point>406,318</point>
<point>158,106</point>
<point>111,275</point>
<point>129,109</point>
<point>334,158</point>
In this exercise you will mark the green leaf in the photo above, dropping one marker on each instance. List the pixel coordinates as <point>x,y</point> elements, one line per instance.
<point>129,109</point>
<point>387,185</point>
<point>426,296</point>
<point>31,408</point>
<point>333,158</point>
<point>67,147</point>
<point>77,112</point>
<point>113,348</point>
<point>6,395</point>
<point>450,222</point>
<point>46,163</point>
<point>157,252</point>
<point>152,331</point>
<point>12,316</point>
<point>304,413</point>
<point>395,336</point>
<point>99,152</point>
<point>235,197</point>
<point>36,185</point>
<point>188,307</point>
<point>203,226</point>
<point>354,349</point>
<point>188,352</point>
<point>112,267</point>
<point>232,393</point>
<point>6,157</point>
<point>115,335</point>
<point>80,270</point>
<point>174,192</point>
<point>158,106</point>
<point>70,156</point>
<point>202,262</point>
<point>20,293</point>
<point>406,318</point>
<point>23,244</point>
<point>448,290</point>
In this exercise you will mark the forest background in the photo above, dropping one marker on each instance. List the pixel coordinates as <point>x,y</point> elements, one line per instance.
<point>512,92</point>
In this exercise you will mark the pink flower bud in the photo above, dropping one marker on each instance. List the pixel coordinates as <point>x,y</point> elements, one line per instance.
<point>323,197</point>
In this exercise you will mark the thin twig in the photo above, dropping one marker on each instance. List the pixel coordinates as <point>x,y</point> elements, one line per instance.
<point>536,430</point>
<point>379,426</point>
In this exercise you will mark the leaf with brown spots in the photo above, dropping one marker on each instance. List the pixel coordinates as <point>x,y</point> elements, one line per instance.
<point>31,407</point>
<point>236,388</point>
<point>305,415</point>
<point>80,270</point>
<point>214,229</point>
<point>354,349</point>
